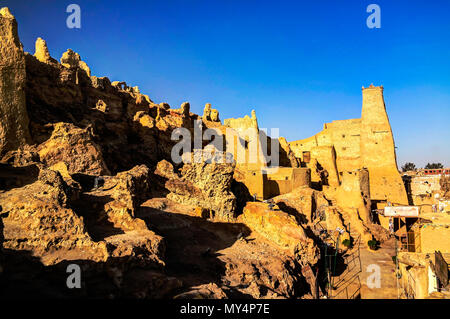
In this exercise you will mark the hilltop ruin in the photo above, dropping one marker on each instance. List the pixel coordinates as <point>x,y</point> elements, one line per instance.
<point>87,177</point>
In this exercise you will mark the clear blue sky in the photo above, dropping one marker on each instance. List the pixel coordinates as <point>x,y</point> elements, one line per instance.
<point>298,64</point>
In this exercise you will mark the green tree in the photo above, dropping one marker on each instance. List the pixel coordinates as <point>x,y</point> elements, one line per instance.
<point>434,166</point>
<point>408,167</point>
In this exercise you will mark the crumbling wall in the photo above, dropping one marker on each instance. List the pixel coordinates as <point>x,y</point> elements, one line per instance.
<point>272,182</point>
<point>355,193</point>
<point>326,158</point>
<point>342,135</point>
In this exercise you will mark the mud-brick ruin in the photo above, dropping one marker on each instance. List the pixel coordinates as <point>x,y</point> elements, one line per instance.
<point>87,178</point>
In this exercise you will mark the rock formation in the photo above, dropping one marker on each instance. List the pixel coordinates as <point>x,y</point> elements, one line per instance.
<point>210,114</point>
<point>75,147</point>
<point>44,223</point>
<point>72,60</point>
<point>283,229</point>
<point>13,114</point>
<point>202,184</point>
<point>41,52</point>
<point>207,112</point>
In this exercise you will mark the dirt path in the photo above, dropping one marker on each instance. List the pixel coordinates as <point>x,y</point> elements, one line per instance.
<point>382,258</point>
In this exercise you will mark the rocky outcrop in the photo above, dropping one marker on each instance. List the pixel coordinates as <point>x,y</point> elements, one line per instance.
<point>75,147</point>
<point>129,191</point>
<point>72,60</point>
<point>40,220</point>
<point>281,229</point>
<point>210,114</point>
<point>202,184</point>
<point>303,203</point>
<point>13,113</point>
<point>41,51</point>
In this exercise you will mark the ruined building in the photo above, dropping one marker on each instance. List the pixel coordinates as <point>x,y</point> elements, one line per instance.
<point>87,173</point>
<point>366,143</point>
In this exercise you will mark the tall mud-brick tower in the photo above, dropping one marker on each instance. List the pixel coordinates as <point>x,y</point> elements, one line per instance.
<point>378,150</point>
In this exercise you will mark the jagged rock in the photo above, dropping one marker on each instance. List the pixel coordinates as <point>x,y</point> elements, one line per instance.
<point>293,161</point>
<point>207,112</point>
<point>41,52</point>
<point>62,217</point>
<point>102,106</point>
<point>334,221</point>
<point>303,203</point>
<point>214,115</point>
<point>164,105</point>
<point>23,156</point>
<point>144,120</point>
<point>185,109</point>
<point>140,248</point>
<point>75,147</point>
<point>281,229</point>
<point>13,113</point>
<point>130,190</point>
<point>72,60</point>
<point>205,185</point>
<point>165,169</point>
<point>114,204</point>
<point>39,220</point>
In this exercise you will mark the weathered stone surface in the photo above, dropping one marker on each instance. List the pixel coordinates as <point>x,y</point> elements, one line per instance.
<point>23,156</point>
<point>75,147</point>
<point>85,128</point>
<point>39,220</point>
<point>205,185</point>
<point>41,51</point>
<point>207,112</point>
<point>72,60</point>
<point>13,113</point>
<point>214,115</point>
<point>289,154</point>
<point>303,203</point>
<point>129,191</point>
<point>282,229</point>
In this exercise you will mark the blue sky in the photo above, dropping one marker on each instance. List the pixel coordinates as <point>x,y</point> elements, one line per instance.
<point>299,64</point>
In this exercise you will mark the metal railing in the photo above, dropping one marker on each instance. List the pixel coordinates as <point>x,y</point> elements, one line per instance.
<point>349,282</point>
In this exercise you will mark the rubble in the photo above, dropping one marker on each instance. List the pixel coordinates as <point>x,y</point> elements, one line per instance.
<point>202,184</point>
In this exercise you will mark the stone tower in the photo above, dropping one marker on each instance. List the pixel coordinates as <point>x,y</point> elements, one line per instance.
<point>378,149</point>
